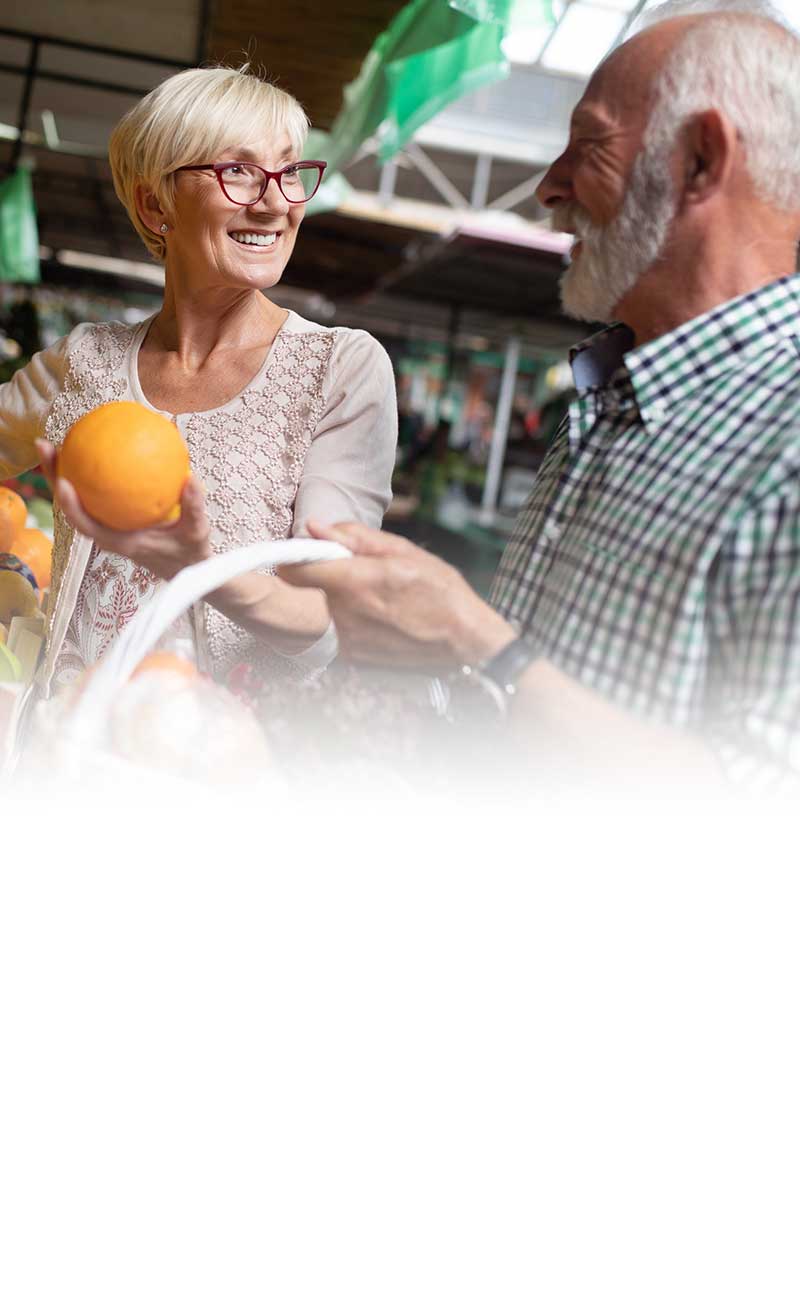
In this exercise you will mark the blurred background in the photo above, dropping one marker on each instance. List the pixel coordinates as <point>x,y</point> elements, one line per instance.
<point>438,119</point>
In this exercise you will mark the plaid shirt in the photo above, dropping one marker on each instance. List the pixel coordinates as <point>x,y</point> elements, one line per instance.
<point>658,558</point>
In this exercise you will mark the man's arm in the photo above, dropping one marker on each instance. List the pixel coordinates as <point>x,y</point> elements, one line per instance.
<point>753,608</point>
<point>395,604</point>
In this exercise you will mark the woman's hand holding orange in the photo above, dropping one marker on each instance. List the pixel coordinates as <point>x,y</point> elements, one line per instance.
<point>163,549</point>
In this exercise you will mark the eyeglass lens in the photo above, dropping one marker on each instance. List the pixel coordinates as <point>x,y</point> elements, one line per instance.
<point>243,183</point>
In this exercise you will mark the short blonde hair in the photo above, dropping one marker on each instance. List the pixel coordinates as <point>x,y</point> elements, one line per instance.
<point>188,120</point>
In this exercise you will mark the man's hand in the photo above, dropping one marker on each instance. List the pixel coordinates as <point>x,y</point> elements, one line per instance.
<point>163,549</point>
<point>395,603</point>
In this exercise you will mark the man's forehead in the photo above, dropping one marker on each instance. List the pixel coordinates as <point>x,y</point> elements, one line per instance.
<point>618,88</point>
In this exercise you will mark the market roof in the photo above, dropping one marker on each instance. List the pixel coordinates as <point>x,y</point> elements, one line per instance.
<point>478,160</point>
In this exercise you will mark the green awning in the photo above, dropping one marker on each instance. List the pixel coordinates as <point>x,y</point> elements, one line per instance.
<point>433,52</point>
<point>19,235</point>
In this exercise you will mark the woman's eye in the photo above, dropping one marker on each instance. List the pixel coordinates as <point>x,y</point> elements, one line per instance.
<point>233,171</point>
<point>290,172</point>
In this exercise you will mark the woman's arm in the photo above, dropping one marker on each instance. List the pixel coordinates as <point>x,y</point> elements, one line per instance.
<point>347,474</point>
<point>266,606</point>
<point>348,470</point>
<point>349,466</point>
<point>24,403</point>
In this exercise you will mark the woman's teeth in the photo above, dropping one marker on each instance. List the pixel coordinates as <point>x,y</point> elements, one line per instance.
<point>255,239</point>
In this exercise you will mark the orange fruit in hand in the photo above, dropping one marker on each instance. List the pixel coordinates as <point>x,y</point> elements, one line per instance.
<point>33,547</point>
<point>127,464</point>
<point>13,514</point>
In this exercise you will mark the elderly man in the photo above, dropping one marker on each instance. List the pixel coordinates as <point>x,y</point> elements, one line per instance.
<point>650,594</point>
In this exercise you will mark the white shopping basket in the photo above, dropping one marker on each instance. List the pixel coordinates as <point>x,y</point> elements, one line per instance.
<point>83,732</point>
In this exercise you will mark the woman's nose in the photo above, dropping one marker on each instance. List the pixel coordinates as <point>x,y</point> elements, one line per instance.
<point>273,199</point>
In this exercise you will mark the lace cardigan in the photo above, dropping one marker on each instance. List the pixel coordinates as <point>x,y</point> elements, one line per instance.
<point>312,435</point>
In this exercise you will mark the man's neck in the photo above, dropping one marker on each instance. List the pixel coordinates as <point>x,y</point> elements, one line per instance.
<point>675,292</point>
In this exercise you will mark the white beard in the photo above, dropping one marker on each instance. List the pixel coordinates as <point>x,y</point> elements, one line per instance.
<point>614,256</point>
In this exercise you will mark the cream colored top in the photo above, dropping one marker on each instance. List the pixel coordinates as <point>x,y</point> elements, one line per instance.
<point>313,435</point>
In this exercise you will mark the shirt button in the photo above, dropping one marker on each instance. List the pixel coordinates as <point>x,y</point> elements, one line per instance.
<point>551,531</point>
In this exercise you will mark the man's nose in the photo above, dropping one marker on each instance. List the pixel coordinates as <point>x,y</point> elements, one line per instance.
<point>556,186</point>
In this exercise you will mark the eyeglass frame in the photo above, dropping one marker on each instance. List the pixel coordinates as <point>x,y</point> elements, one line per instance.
<point>269,174</point>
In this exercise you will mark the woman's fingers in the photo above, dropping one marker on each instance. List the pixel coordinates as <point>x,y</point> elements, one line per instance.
<point>47,459</point>
<point>72,508</point>
<point>193,523</point>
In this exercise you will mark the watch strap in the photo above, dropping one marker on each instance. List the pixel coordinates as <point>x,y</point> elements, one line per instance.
<point>505,668</point>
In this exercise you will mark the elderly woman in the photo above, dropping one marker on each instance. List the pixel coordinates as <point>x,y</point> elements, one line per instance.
<point>284,419</point>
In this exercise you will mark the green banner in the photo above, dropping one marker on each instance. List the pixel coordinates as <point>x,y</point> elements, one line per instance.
<point>512,14</point>
<point>19,236</point>
<point>434,52</point>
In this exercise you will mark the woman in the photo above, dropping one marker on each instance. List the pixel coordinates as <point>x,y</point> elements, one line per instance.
<point>284,419</point>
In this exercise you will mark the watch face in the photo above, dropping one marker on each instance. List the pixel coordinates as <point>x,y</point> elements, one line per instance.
<point>468,698</point>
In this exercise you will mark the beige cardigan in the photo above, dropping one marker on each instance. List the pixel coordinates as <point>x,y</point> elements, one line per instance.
<point>312,435</point>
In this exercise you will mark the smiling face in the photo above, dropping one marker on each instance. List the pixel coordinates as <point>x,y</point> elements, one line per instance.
<point>611,190</point>
<point>213,241</point>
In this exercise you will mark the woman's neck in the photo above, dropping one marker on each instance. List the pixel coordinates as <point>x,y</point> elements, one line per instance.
<point>193,325</point>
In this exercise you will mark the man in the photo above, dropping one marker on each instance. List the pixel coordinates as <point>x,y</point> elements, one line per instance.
<point>655,573</point>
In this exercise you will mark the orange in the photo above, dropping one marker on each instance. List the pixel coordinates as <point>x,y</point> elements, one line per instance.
<point>13,514</point>
<point>127,464</point>
<point>35,549</point>
<point>164,661</point>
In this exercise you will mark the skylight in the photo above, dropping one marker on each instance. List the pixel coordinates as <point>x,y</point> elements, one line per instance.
<point>587,29</point>
<point>584,35</point>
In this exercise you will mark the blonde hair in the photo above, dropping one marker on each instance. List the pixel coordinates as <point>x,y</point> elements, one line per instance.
<point>187,120</point>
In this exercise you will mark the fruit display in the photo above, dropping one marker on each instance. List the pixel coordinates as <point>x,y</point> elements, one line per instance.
<point>40,511</point>
<point>18,596</point>
<point>13,515</point>
<point>35,549</point>
<point>10,562</point>
<point>127,464</point>
<point>21,640</point>
<point>10,665</point>
<point>25,560</point>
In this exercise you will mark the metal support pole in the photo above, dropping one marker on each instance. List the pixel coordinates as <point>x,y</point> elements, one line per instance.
<point>24,104</point>
<point>480,182</point>
<point>450,361</point>
<point>497,451</point>
<point>203,30</point>
<point>435,177</point>
<point>387,182</point>
<point>517,194</point>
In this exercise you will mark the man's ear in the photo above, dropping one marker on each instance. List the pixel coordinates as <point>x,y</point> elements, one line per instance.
<point>711,143</point>
<point>148,208</point>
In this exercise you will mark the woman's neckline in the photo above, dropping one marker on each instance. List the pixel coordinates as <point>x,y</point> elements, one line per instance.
<point>136,383</point>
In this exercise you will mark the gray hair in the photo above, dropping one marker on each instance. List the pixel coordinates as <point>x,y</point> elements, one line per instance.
<point>744,61</point>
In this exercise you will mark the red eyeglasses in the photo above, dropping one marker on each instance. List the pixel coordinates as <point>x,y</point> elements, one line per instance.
<point>245,184</point>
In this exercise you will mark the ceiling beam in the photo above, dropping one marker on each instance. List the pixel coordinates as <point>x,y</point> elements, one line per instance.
<point>312,50</point>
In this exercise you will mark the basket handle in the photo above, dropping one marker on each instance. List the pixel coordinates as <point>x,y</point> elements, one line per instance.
<point>170,601</point>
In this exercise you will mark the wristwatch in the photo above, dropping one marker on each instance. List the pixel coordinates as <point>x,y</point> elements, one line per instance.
<point>486,686</point>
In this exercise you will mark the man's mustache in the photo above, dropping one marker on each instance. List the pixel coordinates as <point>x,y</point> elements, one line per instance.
<point>569,217</point>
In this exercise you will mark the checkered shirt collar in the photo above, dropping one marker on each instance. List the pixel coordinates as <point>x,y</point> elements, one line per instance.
<point>668,369</point>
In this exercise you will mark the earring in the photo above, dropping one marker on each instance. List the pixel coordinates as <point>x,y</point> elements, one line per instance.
<point>164,228</point>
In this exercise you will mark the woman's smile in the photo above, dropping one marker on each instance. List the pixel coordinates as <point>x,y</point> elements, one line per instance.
<point>253,237</point>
